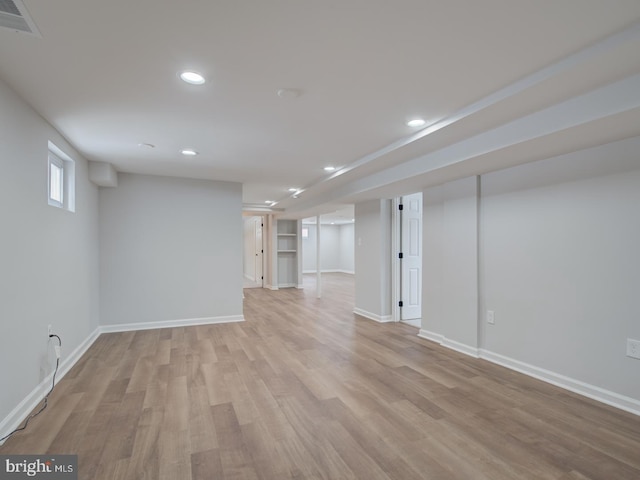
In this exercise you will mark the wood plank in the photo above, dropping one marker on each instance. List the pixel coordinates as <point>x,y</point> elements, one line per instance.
<point>305,389</point>
<point>144,461</point>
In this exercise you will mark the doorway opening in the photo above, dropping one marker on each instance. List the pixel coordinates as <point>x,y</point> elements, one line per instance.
<point>328,245</point>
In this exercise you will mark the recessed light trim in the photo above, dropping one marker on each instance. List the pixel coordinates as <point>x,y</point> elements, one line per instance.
<point>146,145</point>
<point>188,152</point>
<point>293,189</point>
<point>416,122</point>
<point>329,168</point>
<point>288,93</point>
<point>192,78</point>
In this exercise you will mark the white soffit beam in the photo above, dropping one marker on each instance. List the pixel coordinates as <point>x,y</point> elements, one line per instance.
<point>603,102</point>
<point>630,34</point>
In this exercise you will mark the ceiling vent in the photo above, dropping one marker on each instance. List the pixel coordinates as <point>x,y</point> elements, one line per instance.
<point>14,15</point>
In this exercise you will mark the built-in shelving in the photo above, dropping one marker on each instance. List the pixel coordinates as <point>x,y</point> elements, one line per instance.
<point>287,250</point>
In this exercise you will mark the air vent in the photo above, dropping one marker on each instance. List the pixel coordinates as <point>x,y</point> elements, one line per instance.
<point>14,15</point>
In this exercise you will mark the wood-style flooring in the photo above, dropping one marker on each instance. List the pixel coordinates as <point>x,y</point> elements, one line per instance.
<point>305,389</point>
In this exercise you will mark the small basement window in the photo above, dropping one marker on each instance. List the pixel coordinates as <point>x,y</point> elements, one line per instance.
<point>61,179</point>
<point>56,181</point>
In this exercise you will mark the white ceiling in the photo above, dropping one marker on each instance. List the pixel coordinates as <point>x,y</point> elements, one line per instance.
<point>342,214</point>
<point>504,82</point>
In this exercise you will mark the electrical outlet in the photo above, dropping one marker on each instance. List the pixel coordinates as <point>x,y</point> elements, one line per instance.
<point>49,330</point>
<point>490,317</point>
<point>633,348</point>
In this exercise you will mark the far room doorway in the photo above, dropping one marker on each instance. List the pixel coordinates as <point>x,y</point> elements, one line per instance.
<point>253,257</point>
<point>331,252</point>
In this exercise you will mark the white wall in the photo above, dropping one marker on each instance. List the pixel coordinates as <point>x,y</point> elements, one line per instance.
<point>558,264</point>
<point>450,262</point>
<point>329,249</point>
<point>309,249</point>
<point>373,259</point>
<point>337,249</point>
<point>347,248</point>
<point>171,250</point>
<point>562,265</point>
<point>48,258</point>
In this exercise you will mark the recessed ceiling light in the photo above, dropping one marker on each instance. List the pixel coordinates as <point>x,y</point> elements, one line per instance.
<point>288,93</point>
<point>293,189</point>
<point>416,122</point>
<point>329,168</point>
<point>268,201</point>
<point>189,152</point>
<point>194,78</point>
<point>146,145</point>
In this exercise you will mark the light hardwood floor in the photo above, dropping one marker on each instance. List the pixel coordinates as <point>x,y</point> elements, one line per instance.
<point>304,389</point>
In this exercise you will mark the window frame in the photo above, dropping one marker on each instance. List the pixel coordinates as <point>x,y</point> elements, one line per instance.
<point>67,181</point>
<point>55,161</point>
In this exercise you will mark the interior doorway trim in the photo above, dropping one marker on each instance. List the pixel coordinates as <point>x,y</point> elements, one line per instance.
<point>396,273</point>
<point>260,279</point>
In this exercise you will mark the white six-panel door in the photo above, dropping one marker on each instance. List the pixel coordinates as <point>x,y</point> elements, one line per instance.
<point>258,251</point>
<point>411,263</point>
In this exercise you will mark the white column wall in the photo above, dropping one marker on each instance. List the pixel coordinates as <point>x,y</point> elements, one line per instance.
<point>373,259</point>
<point>450,274</point>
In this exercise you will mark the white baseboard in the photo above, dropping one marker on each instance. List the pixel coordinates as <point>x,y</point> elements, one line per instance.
<point>127,327</point>
<point>591,391</point>
<point>607,397</point>
<point>373,316</point>
<point>461,347</point>
<point>77,354</point>
<point>33,399</point>
<point>434,337</point>
<point>20,412</point>
<point>451,344</point>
